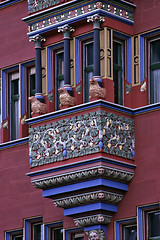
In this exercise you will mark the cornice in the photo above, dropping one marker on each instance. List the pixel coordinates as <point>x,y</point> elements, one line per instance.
<point>74,11</point>
<point>8,3</point>
<point>88,198</point>
<point>82,175</point>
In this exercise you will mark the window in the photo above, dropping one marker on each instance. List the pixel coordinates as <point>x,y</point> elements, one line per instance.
<point>118,71</point>
<point>14,235</point>
<point>59,74</point>
<point>130,232</point>
<point>88,67</point>
<point>126,229</point>
<point>14,105</point>
<point>37,231</point>
<point>31,86</point>
<point>33,228</point>
<point>56,234</point>
<point>155,71</point>
<point>153,225</point>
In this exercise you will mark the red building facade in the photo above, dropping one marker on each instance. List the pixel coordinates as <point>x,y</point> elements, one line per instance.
<point>79,120</point>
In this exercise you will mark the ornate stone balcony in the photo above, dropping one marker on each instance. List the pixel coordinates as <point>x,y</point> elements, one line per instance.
<point>83,159</point>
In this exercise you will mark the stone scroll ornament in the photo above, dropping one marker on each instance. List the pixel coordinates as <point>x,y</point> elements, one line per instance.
<point>81,135</point>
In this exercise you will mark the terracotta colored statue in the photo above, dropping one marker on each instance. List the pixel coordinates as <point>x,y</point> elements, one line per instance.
<point>95,90</point>
<point>65,98</point>
<point>36,106</point>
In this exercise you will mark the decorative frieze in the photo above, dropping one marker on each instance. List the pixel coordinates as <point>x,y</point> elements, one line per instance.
<point>81,175</point>
<point>92,220</point>
<point>76,12</point>
<point>82,135</point>
<point>88,198</point>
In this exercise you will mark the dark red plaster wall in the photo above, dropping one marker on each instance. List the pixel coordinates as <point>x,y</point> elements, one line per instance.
<point>14,43</point>
<point>19,199</point>
<point>146,15</point>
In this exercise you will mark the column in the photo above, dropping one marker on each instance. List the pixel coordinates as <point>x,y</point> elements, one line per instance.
<point>96,20</point>
<point>66,30</point>
<point>37,39</point>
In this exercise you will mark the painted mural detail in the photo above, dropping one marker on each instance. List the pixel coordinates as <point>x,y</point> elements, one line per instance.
<point>82,135</point>
<point>92,220</point>
<point>111,9</point>
<point>88,198</point>
<point>86,174</point>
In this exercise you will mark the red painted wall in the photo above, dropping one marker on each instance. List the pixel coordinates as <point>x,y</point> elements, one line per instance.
<point>15,46</point>
<point>146,15</point>
<point>19,199</point>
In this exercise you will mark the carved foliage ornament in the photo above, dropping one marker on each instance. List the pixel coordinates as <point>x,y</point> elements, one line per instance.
<point>92,220</point>
<point>82,135</point>
<point>88,198</point>
<point>82,175</point>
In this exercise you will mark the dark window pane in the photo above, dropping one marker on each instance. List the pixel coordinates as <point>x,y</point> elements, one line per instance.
<point>18,238</point>
<point>89,54</point>
<point>37,231</point>
<point>130,232</point>
<point>155,51</point>
<point>117,72</point>
<point>154,225</point>
<point>57,234</point>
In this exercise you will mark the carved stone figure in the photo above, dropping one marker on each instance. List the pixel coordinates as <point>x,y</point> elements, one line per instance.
<point>95,90</point>
<point>65,98</point>
<point>36,106</point>
<point>98,234</point>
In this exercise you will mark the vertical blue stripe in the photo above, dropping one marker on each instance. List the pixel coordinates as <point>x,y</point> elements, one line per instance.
<point>4,102</point>
<point>129,60</point>
<point>23,92</point>
<point>141,58</point>
<point>117,231</point>
<point>49,69</point>
<point>140,224</point>
<point>77,63</point>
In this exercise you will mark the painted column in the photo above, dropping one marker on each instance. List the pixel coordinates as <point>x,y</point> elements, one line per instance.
<point>96,20</point>
<point>37,39</point>
<point>66,30</point>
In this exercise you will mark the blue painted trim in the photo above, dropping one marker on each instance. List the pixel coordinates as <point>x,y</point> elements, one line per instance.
<point>140,224</point>
<point>84,185</point>
<point>82,163</point>
<point>23,88</point>
<point>78,55</point>
<point>90,207</point>
<point>4,93</point>
<point>27,223</point>
<point>117,226</point>
<point>142,58</point>
<point>81,107</point>
<point>50,50</point>
<point>4,97</point>
<point>11,233</point>
<point>129,60</point>
<point>66,233</point>
<point>47,226</point>
<point>8,3</point>
<point>140,211</point>
<point>14,143</point>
